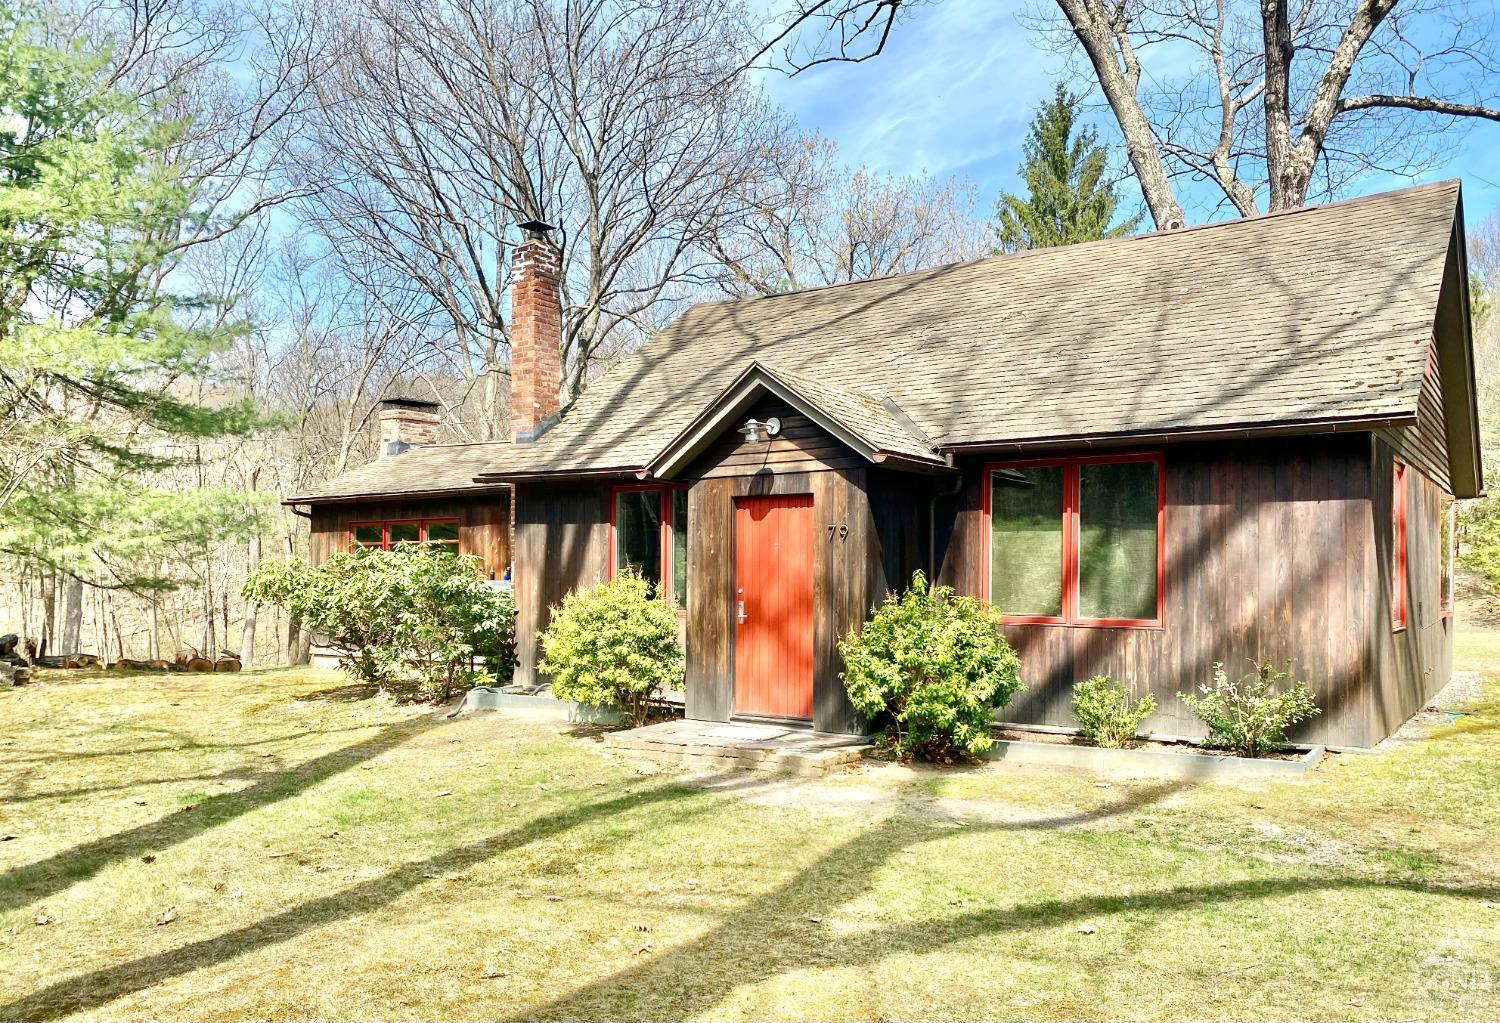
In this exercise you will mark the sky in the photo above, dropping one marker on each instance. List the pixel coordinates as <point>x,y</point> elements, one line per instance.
<point>959,81</point>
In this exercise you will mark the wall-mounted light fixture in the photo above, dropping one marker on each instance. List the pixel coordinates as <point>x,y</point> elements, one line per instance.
<point>756,431</point>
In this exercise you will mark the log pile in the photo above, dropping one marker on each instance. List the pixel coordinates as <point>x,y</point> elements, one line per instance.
<point>187,660</point>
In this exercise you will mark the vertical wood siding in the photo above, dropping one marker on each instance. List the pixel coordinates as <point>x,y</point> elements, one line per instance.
<point>1413,663</point>
<point>562,543</point>
<point>1271,554</point>
<point>483,525</point>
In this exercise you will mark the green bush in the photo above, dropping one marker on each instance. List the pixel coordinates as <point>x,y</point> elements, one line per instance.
<point>1249,716</point>
<point>414,621</point>
<point>936,663</point>
<point>1107,716</point>
<point>613,645</point>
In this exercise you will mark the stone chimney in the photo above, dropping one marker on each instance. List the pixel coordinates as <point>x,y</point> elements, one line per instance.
<point>535,332</point>
<point>407,423</point>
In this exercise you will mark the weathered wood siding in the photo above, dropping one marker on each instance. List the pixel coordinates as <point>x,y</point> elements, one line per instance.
<point>1271,552</point>
<point>483,524</point>
<point>841,585</point>
<point>801,446</point>
<point>1424,444</point>
<point>562,543</point>
<point>1413,663</point>
<point>900,508</point>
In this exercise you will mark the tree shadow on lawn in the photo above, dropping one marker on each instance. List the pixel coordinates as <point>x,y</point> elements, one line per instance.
<point>99,987</point>
<point>782,931</point>
<point>26,884</point>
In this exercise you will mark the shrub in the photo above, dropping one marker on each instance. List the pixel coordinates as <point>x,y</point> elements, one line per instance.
<point>937,664</point>
<point>1248,715</point>
<point>414,620</point>
<point>1106,714</point>
<point>613,645</point>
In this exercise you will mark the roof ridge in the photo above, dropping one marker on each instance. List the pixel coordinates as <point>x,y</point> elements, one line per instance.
<point>1101,242</point>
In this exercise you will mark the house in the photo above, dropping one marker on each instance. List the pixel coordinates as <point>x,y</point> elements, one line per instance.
<point>1229,443</point>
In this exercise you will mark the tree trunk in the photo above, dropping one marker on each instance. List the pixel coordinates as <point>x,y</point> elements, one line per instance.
<point>247,630</point>
<point>72,615</point>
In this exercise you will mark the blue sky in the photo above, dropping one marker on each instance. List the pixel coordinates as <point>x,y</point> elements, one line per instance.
<point>959,81</point>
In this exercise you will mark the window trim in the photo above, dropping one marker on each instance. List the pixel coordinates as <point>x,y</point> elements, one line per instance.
<point>668,584</point>
<point>1448,506</point>
<point>1400,598</point>
<point>1071,466</point>
<point>422,524</point>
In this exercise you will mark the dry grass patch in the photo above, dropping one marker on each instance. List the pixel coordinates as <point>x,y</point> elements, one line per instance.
<point>329,855</point>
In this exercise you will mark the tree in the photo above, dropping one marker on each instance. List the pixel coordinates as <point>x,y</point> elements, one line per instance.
<point>1268,102</point>
<point>1069,200</point>
<point>101,361</point>
<point>619,121</point>
<point>809,220</point>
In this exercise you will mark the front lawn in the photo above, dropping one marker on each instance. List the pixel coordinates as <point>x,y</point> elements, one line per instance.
<point>279,844</point>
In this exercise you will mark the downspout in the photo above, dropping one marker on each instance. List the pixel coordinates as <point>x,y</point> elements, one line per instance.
<point>958,485</point>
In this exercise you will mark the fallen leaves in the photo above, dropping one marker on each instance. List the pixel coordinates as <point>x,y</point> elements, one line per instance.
<point>166,916</point>
<point>1086,928</point>
<point>42,918</point>
<point>149,858</point>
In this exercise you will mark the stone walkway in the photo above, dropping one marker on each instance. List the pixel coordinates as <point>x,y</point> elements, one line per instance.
<point>711,745</point>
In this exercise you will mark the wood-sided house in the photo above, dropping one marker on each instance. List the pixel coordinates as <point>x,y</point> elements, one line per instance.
<point>1227,444</point>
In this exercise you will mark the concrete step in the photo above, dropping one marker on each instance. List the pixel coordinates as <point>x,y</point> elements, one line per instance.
<point>712,746</point>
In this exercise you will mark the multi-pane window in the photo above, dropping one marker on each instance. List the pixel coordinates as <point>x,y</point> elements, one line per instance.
<point>648,527</point>
<point>389,533</point>
<point>1398,547</point>
<point>1077,540</point>
<point>1447,554</point>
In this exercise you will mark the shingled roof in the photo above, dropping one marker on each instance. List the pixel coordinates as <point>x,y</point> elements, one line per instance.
<point>1318,316</point>
<point>428,469</point>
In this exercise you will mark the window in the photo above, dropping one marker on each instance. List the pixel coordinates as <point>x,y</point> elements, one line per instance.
<point>1447,553</point>
<point>648,532</point>
<point>395,531</point>
<point>1077,541</point>
<point>1398,547</point>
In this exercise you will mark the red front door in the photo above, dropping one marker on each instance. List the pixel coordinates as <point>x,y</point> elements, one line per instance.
<point>773,581</point>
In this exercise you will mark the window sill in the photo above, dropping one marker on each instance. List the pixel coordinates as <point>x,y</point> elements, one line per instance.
<point>1031,622</point>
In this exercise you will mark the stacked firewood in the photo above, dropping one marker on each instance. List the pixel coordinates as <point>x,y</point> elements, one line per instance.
<point>187,660</point>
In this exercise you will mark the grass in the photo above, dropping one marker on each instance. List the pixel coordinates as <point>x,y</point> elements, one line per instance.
<point>329,855</point>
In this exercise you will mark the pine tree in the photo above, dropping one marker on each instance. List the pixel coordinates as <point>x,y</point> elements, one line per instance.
<point>1064,171</point>
<point>101,361</point>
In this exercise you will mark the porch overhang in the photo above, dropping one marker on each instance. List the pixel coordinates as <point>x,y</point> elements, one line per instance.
<point>874,429</point>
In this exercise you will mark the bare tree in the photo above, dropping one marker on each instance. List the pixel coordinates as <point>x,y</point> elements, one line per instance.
<point>812,221</point>
<point>619,121</point>
<point>1272,101</point>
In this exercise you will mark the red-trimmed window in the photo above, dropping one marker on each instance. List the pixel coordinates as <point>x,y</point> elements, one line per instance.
<point>1398,547</point>
<point>387,533</point>
<point>1447,554</point>
<point>648,532</point>
<point>1077,541</point>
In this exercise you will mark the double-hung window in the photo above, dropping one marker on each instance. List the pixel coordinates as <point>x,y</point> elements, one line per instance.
<point>648,533</point>
<point>392,532</point>
<point>1077,541</point>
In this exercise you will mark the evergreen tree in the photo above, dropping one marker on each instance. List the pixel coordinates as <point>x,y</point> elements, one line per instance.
<point>1064,171</point>
<point>101,361</point>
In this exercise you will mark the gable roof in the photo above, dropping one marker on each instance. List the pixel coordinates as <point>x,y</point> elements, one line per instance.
<point>424,470</point>
<point>872,428</point>
<point>1320,316</point>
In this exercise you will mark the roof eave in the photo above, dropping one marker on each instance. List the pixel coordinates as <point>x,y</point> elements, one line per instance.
<point>1188,434</point>
<point>1452,331</point>
<point>394,495</point>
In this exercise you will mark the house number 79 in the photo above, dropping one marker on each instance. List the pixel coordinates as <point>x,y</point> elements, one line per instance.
<point>838,530</point>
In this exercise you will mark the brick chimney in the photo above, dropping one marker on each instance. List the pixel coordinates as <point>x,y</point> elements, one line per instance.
<point>406,423</point>
<point>535,332</point>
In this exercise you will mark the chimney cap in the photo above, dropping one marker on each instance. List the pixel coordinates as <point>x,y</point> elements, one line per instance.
<point>535,228</point>
<point>417,404</point>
